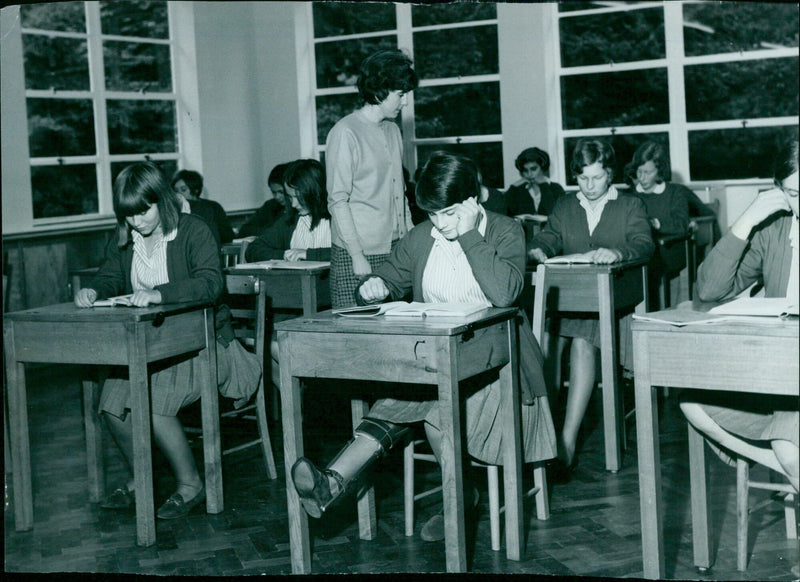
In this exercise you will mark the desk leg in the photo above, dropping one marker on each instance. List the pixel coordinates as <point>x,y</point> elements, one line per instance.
<point>455,544</point>
<point>512,448</point>
<point>698,476</point>
<point>649,456</point>
<point>20,444</point>
<point>608,363</point>
<point>94,437</point>
<point>308,285</point>
<point>142,442</point>
<point>209,406</point>
<point>367,517</point>
<point>292,416</point>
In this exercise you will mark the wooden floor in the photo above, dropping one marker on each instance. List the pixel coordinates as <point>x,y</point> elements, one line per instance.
<point>593,530</point>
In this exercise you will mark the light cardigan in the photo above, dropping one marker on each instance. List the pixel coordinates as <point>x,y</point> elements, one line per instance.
<point>366,189</point>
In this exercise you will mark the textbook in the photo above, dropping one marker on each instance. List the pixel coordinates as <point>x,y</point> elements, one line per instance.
<point>281,264</point>
<point>124,300</point>
<point>773,311</point>
<point>413,310</point>
<point>540,218</point>
<point>763,306</point>
<point>577,258</point>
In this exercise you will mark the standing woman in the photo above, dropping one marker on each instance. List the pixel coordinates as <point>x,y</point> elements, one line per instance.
<point>610,228</point>
<point>162,255</point>
<point>534,193</point>
<point>363,156</point>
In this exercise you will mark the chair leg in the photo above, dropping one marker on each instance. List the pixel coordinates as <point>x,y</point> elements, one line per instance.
<point>494,505</point>
<point>742,490</point>
<point>408,487</point>
<point>541,495</point>
<point>263,431</point>
<point>790,514</point>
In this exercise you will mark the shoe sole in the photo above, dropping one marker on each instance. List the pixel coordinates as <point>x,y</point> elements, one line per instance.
<point>304,483</point>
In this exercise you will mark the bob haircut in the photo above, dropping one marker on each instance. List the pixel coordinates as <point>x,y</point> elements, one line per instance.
<point>137,187</point>
<point>276,175</point>
<point>786,160</point>
<point>385,71</point>
<point>447,179</point>
<point>192,179</point>
<point>528,155</point>
<point>590,151</point>
<point>650,151</point>
<point>307,178</point>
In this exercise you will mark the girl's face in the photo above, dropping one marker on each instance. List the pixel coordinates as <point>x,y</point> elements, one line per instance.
<point>446,221</point>
<point>147,222</point>
<point>594,181</point>
<point>394,102</point>
<point>532,173</point>
<point>297,204</point>
<point>647,176</point>
<point>182,189</point>
<point>278,193</point>
<point>789,187</point>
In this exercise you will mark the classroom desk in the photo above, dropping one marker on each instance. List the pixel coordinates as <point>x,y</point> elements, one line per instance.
<point>121,336</point>
<point>302,288</point>
<point>736,357</point>
<point>427,352</point>
<point>601,289</point>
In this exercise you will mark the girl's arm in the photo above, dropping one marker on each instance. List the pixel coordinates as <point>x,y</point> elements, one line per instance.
<point>272,244</point>
<point>340,165</point>
<point>676,221</point>
<point>398,270</point>
<point>638,238</point>
<point>110,279</point>
<point>549,238</point>
<point>499,265</point>
<point>201,253</point>
<point>729,268</point>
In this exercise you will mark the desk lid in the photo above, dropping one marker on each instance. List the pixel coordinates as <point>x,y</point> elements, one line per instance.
<point>66,312</point>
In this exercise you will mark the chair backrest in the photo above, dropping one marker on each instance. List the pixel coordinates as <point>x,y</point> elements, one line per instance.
<point>231,253</point>
<point>244,301</point>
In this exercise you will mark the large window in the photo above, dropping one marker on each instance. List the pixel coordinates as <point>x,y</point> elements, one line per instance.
<point>454,48</point>
<point>99,95</point>
<point>716,81</point>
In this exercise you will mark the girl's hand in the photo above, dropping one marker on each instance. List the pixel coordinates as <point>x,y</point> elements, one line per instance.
<point>361,265</point>
<point>295,255</point>
<point>603,256</point>
<point>373,289</point>
<point>468,216</point>
<point>85,297</point>
<point>145,297</point>
<point>656,223</point>
<point>537,255</point>
<point>766,204</point>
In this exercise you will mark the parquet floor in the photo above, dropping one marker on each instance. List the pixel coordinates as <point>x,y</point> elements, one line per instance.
<point>593,531</point>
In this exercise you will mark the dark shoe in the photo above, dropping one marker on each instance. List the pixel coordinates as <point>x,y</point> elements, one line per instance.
<point>433,530</point>
<point>120,498</point>
<point>176,507</point>
<point>313,486</point>
<point>558,472</point>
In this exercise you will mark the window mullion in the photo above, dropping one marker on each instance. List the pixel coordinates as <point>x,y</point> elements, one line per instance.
<point>405,41</point>
<point>98,89</point>
<point>678,131</point>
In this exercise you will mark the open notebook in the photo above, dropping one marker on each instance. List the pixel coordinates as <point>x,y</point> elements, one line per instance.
<point>281,264</point>
<point>745,309</point>
<point>413,310</point>
<point>123,300</point>
<point>577,258</point>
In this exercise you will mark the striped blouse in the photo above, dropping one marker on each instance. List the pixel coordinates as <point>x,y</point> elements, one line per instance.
<point>149,271</point>
<point>305,238</point>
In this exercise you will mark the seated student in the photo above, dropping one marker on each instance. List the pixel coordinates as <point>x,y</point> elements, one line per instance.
<point>612,228</point>
<point>189,185</point>
<point>534,193</point>
<point>760,247</point>
<point>162,255</point>
<point>272,210</point>
<point>667,207</point>
<point>463,253</point>
<point>308,237</point>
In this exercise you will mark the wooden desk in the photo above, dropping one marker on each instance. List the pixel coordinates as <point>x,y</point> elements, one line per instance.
<point>307,289</point>
<point>736,357</point>
<point>601,289</point>
<point>120,336</point>
<point>440,353</point>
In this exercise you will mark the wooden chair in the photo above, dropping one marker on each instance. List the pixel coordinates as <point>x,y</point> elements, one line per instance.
<point>665,243</point>
<point>250,327</point>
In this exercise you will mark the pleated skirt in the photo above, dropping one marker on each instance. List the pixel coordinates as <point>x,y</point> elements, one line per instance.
<point>588,328</point>
<point>759,417</point>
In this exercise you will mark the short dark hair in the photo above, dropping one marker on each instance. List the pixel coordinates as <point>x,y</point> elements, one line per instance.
<point>385,71</point>
<point>447,179</point>
<point>307,177</point>
<point>650,151</point>
<point>786,160</point>
<point>535,155</point>
<point>136,188</point>
<point>276,175</point>
<point>590,151</point>
<point>192,179</point>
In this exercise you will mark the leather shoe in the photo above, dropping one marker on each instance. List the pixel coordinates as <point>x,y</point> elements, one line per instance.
<point>176,507</point>
<point>313,486</point>
<point>120,498</point>
<point>559,472</point>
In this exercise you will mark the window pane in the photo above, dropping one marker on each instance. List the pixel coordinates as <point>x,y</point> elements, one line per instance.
<point>615,99</point>
<point>762,88</point>
<point>55,63</point>
<point>61,127</point>
<point>340,18</point>
<point>624,147</point>
<point>141,127</point>
<point>338,62</point>
<point>453,110</point>
<point>135,18</point>
<point>488,156</point>
<point>727,27</point>
<point>730,154</point>
<point>475,52</point>
<point>61,16</point>
<point>429,14</point>
<point>134,66</point>
<point>616,37</point>
<point>64,190</point>
<point>168,167</point>
<point>331,109</point>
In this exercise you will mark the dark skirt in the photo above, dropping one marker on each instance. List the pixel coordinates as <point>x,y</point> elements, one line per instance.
<point>588,328</point>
